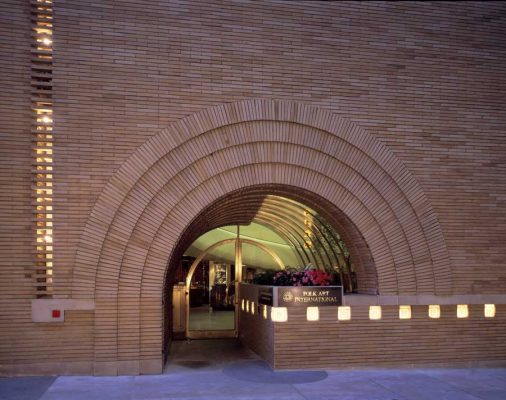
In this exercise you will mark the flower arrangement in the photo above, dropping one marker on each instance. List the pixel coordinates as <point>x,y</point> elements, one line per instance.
<point>312,277</point>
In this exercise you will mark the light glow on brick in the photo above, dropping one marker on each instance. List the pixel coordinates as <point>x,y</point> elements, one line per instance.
<point>404,312</point>
<point>489,310</point>
<point>313,314</point>
<point>462,311</point>
<point>279,314</point>
<point>374,312</point>
<point>434,311</point>
<point>343,313</point>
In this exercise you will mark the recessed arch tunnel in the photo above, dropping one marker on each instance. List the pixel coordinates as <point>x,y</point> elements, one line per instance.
<point>314,228</point>
<point>279,208</point>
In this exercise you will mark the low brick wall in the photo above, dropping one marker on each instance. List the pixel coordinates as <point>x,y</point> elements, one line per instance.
<point>362,342</point>
<point>255,331</point>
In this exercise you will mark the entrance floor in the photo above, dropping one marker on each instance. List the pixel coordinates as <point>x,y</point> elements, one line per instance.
<point>205,319</point>
<point>205,355</point>
<point>222,369</point>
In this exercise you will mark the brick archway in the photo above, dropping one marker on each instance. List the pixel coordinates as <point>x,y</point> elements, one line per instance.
<point>142,211</point>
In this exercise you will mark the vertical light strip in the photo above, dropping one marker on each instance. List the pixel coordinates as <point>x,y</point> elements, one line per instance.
<point>42,142</point>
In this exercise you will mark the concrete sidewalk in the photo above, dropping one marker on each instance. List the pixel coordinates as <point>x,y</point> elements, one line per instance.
<point>225,370</point>
<point>428,384</point>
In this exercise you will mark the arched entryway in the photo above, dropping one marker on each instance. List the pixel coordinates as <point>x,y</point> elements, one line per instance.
<point>303,237</point>
<point>151,201</point>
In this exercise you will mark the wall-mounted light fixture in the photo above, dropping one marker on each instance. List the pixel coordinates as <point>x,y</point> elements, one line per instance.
<point>434,311</point>
<point>343,313</point>
<point>313,314</point>
<point>279,314</point>
<point>374,312</point>
<point>404,312</point>
<point>489,310</point>
<point>462,311</point>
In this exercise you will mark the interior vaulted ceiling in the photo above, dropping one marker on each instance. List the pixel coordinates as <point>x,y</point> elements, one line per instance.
<point>305,233</point>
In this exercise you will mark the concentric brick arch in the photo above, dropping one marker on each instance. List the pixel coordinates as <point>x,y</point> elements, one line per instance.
<point>154,196</point>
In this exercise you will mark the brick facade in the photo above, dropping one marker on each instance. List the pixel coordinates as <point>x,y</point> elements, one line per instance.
<point>394,112</point>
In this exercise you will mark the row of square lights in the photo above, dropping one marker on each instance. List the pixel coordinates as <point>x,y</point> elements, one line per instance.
<point>280,314</point>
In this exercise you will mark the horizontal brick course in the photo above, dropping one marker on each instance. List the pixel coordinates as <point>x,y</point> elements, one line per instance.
<point>393,111</point>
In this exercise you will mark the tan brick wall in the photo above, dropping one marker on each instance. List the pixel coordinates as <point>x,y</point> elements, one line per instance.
<point>390,341</point>
<point>387,342</point>
<point>426,80</point>
<point>26,347</point>
<point>16,236</point>
<point>155,195</point>
<point>256,332</point>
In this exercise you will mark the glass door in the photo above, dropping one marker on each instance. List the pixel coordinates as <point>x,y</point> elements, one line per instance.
<point>211,301</point>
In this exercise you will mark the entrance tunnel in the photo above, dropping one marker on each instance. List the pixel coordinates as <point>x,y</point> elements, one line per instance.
<point>252,232</point>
